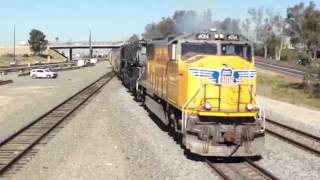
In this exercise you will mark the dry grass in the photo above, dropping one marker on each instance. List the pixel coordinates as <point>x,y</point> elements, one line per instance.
<point>279,88</point>
<point>24,56</point>
<point>19,50</point>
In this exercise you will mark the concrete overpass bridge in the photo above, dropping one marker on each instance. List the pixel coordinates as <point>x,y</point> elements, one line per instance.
<point>56,46</point>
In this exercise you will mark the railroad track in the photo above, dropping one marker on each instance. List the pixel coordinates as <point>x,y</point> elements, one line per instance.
<point>5,82</point>
<point>13,148</point>
<point>294,136</point>
<point>281,69</point>
<point>247,169</point>
<point>17,68</point>
<point>243,168</point>
<point>26,65</point>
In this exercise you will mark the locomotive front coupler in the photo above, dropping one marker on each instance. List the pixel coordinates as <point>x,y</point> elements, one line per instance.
<point>231,133</point>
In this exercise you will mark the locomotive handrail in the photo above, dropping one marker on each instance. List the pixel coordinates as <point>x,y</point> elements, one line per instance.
<point>261,116</point>
<point>140,76</point>
<point>261,113</point>
<point>185,106</point>
<point>240,86</point>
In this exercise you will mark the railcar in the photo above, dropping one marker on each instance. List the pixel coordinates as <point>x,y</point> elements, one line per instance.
<point>128,62</point>
<point>203,86</point>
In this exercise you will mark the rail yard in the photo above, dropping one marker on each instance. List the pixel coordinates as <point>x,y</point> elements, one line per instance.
<point>119,158</point>
<point>188,97</point>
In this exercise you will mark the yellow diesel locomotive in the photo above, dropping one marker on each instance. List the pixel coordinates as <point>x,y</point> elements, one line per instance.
<point>203,85</point>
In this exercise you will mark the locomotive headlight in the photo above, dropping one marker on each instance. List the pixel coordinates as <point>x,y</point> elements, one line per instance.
<point>249,107</point>
<point>221,36</point>
<point>216,36</point>
<point>207,106</point>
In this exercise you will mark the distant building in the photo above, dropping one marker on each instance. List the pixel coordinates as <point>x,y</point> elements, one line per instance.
<point>23,43</point>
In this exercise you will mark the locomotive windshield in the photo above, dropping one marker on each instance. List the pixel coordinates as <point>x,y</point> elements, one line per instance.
<point>242,50</point>
<point>192,49</point>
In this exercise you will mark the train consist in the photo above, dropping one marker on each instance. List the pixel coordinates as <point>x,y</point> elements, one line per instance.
<point>128,61</point>
<point>202,85</point>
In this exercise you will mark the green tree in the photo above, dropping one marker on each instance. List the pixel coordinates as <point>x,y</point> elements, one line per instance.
<point>268,28</point>
<point>311,29</point>
<point>295,18</point>
<point>304,30</point>
<point>304,27</point>
<point>245,27</point>
<point>37,41</point>
<point>257,17</point>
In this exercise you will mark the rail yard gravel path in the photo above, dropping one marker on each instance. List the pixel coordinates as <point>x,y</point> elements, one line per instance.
<point>285,160</point>
<point>113,138</point>
<point>26,98</point>
<point>288,162</point>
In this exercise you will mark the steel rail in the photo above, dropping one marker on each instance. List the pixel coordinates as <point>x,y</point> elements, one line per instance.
<point>281,69</point>
<point>46,123</point>
<point>26,67</point>
<point>244,169</point>
<point>302,134</point>
<point>5,82</point>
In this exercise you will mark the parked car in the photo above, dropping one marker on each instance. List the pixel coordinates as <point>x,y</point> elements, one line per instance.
<point>43,73</point>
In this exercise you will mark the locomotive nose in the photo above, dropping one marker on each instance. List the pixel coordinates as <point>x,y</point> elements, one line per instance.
<point>228,84</point>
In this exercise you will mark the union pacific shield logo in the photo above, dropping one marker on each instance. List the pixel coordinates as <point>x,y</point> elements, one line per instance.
<point>225,76</point>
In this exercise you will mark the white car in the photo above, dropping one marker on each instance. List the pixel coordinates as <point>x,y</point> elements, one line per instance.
<point>43,73</point>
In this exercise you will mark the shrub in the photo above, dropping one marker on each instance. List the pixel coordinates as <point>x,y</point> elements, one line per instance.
<point>258,50</point>
<point>45,56</point>
<point>289,55</point>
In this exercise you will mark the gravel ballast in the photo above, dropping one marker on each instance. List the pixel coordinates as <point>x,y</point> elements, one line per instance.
<point>27,98</point>
<point>295,116</point>
<point>114,138</point>
<point>289,162</point>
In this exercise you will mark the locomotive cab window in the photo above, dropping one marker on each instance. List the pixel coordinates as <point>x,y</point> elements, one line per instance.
<point>242,50</point>
<point>193,49</point>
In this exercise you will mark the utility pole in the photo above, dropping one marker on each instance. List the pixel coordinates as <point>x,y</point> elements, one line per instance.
<point>14,44</point>
<point>90,46</point>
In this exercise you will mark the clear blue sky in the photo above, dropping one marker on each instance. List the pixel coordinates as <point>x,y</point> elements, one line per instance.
<point>111,19</point>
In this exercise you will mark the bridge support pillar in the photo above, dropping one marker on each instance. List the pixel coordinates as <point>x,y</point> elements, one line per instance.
<point>70,54</point>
